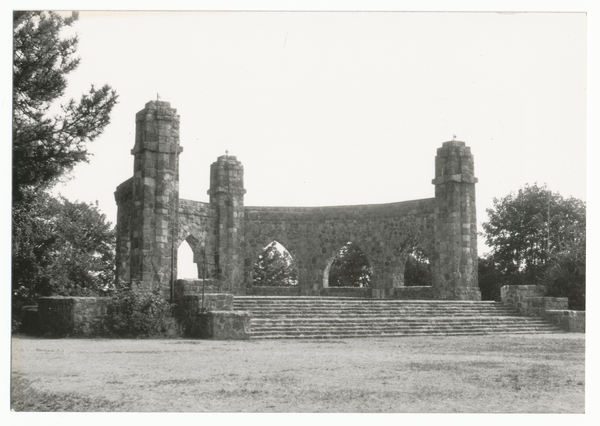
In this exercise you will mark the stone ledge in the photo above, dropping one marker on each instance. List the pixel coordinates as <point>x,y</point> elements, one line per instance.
<point>570,321</point>
<point>530,300</point>
<point>224,325</point>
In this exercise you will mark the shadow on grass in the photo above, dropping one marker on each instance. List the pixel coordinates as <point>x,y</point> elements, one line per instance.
<point>24,398</point>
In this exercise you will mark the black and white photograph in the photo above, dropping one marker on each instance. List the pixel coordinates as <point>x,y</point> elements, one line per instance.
<point>300,209</point>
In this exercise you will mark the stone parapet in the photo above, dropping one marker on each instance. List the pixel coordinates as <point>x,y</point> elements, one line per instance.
<point>212,302</point>
<point>194,286</point>
<point>347,292</point>
<point>224,325</point>
<point>570,321</point>
<point>414,293</point>
<point>63,316</point>
<point>530,300</point>
<point>273,291</point>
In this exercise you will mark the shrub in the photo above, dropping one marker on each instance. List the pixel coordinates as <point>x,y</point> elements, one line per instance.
<point>138,313</point>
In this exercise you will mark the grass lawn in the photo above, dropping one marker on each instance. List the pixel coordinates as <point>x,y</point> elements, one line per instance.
<point>464,374</point>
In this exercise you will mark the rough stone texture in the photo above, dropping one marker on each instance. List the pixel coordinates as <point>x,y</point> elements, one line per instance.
<point>148,203</point>
<point>347,292</point>
<point>212,302</point>
<point>224,325</point>
<point>190,286</point>
<point>513,295</point>
<point>152,222</point>
<point>274,291</point>
<point>454,260</point>
<point>189,309</point>
<point>61,316</point>
<point>414,293</point>
<point>314,236</point>
<point>571,321</point>
<point>530,300</point>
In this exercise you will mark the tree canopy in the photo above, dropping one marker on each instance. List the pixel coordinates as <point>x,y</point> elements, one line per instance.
<point>58,247</point>
<point>350,268</point>
<point>62,248</point>
<point>417,270</point>
<point>536,236</point>
<point>46,146</point>
<point>275,267</point>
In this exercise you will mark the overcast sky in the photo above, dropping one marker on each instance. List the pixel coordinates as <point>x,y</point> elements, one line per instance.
<point>342,108</point>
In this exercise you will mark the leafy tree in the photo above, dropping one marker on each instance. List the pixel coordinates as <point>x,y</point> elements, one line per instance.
<point>535,234</point>
<point>138,313</point>
<point>350,268</point>
<point>275,267</point>
<point>46,146</point>
<point>58,247</point>
<point>62,248</point>
<point>490,279</point>
<point>417,270</point>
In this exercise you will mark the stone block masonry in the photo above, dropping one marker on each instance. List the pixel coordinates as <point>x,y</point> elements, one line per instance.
<point>70,316</point>
<point>152,222</point>
<point>530,300</point>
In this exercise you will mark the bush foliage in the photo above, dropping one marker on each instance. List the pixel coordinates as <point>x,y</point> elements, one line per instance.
<point>537,237</point>
<point>138,313</point>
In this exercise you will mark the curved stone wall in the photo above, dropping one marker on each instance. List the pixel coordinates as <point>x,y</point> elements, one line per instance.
<point>152,222</point>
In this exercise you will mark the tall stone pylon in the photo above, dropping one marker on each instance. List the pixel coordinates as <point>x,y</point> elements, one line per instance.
<point>455,231</point>
<point>153,194</point>
<point>227,201</point>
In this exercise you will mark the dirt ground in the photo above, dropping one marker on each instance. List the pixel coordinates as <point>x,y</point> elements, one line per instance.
<point>459,374</point>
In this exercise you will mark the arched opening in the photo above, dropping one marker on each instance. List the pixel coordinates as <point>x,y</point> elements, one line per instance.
<point>186,268</point>
<point>274,267</point>
<point>417,269</point>
<point>349,268</point>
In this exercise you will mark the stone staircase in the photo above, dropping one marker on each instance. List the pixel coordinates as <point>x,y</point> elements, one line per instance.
<point>338,317</point>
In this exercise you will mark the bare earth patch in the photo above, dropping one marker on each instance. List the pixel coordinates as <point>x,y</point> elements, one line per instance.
<point>464,374</point>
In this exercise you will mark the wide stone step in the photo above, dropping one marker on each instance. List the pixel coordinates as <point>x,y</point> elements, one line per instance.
<point>295,334</point>
<point>328,317</point>
<point>373,314</point>
<point>351,312</point>
<point>399,321</point>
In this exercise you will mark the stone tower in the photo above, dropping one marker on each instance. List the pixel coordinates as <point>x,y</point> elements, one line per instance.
<point>455,235</point>
<point>148,202</point>
<point>227,201</point>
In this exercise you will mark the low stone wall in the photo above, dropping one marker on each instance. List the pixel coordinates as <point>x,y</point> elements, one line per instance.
<point>63,316</point>
<point>530,300</point>
<point>212,302</point>
<point>29,319</point>
<point>347,291</point>
<point>191,286</point>
<point>571,321</point>
<point>515,295</point>
<point>79,316</point>
<point>293,290</point>
<point>217,321</point>
<point>223,325</point>
<point>537,306</point>
<point>414,293</point>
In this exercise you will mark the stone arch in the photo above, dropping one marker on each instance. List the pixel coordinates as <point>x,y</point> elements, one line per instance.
<point>289,279</point>
<point>336,256</point>
<point>258,244</point>
<point>184,260</point>
<point>417,268</point>
<point>197,245</point>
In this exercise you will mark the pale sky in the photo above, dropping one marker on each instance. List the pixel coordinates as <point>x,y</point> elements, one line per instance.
<point>342,108</point>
